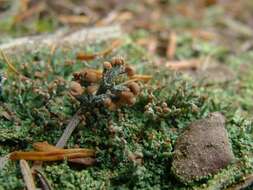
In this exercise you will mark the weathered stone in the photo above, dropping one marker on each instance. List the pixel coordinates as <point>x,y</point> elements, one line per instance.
<point>203,149</point>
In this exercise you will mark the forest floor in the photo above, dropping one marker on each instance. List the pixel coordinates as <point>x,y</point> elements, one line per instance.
<point>199,54</point>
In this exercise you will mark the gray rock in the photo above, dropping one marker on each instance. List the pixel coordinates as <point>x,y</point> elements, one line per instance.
<point>202,149</point>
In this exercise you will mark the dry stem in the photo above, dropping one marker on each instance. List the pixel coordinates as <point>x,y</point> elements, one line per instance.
<point>27,175</point>
<point>69,130</point>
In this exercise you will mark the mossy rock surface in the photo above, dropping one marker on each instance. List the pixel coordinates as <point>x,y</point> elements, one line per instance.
<point>202,150</point>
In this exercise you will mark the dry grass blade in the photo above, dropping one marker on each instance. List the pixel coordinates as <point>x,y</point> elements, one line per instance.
<point>52,155</point>
<point>69,130</point>
<point>115,44</point>
<point>144,78</point>
<point>11,68</point>
<point>184,64</point>
<point>87,57</point>
<point>27,175</point>
<point>172,45</point>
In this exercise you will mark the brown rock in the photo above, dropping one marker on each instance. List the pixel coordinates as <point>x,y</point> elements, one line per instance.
<point>203,149</point>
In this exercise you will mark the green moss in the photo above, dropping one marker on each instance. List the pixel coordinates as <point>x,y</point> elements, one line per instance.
<point>41,114</point>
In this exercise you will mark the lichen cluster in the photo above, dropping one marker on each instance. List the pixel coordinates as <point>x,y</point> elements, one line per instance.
<point>109,88</point>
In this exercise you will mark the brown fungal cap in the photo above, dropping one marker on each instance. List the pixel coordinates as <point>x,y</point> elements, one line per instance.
<point>119,60</point>
<point>127,97</point>
<point>129,70</point>
<point>107,65</point>
<point>87,75</point>
<point>134,88</point>
<point>107,102</point>
<point>92,89</point>
<point>76,89</point>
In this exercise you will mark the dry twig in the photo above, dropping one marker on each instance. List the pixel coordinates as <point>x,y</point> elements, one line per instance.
<point>69,129</point>
<point>27,175</point>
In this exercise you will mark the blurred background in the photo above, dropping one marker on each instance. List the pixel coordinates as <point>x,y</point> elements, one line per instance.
<point>218,31</point>
<point>225,21</point>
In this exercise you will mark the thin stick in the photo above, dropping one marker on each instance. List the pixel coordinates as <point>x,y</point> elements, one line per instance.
<point>43,180</point>
<point>69,130</point>
<point>27,175</point>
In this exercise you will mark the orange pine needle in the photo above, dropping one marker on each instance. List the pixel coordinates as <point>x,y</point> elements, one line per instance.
<point>144,78</point>
<point>44,146</point>
<point>88,57</point>
<point>52,155</point>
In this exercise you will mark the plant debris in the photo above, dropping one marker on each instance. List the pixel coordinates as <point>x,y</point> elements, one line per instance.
<point>43,181</point>
<point>27,175</point>
<point>87,57</point>
<point>52,155</point>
